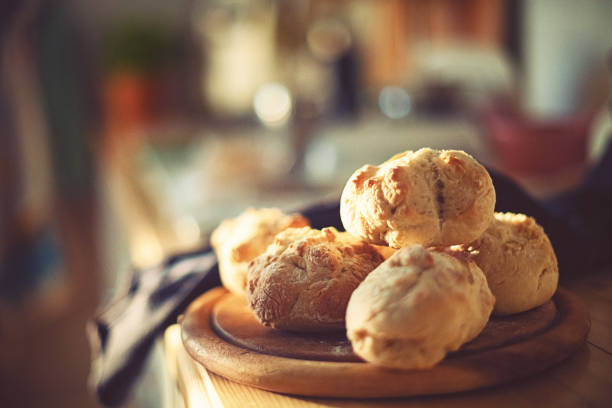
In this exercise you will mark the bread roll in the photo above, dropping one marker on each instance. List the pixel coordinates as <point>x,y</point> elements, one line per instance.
<point>239,240</point>
<point>416,307</point>
<point>304,280</point>
<point>427,197</point>
<point>519,262</point>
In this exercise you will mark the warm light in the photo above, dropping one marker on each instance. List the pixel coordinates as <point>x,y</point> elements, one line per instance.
<point>394,102</point>
<point>187,230</point>
<point>146,250</point>
<point>273,104</point>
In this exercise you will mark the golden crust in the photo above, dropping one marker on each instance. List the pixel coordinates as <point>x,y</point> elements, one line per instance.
<point>305,278</point>
<point>427,197</point>
<point>239,240</point>
<point>520,264</point>
<point>416,307</point>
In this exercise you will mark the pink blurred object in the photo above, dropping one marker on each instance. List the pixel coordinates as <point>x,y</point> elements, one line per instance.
<point>530,146</point>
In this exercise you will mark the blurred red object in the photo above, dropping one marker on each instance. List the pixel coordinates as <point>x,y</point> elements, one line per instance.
<point>131,100</point>
<point>524,145</point>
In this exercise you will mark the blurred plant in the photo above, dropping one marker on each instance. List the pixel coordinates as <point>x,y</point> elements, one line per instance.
<point>142,45</point>
<point>138,54</point>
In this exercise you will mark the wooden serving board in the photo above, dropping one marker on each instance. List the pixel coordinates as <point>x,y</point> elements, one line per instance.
<point>220,332</point>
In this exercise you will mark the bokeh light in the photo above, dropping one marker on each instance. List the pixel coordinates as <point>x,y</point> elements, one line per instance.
<point>273,104</point>
<point>394,102</point>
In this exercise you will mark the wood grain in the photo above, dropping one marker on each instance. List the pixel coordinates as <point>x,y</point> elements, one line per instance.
<point>360,380</point>
<point>580,381</point>
<point>233,321</point>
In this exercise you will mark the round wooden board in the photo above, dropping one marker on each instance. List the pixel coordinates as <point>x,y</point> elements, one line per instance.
<point>529,343</point>
<point>233,321</point>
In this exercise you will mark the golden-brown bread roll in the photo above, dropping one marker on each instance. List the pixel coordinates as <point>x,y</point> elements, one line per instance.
<point>427,197</point>
<point>519,262</point>
<point>417,306</point>
<point>239,240</point>
<point>304,280</point>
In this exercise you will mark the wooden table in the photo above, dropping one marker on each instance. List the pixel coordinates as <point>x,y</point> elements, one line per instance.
<point>583,380</point>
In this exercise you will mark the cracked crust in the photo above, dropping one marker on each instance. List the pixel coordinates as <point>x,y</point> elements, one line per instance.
<point>416,307</point>
<point>427,197</point>
<point>305,278</point>
<point>239,240</point>
<point>519,261</point>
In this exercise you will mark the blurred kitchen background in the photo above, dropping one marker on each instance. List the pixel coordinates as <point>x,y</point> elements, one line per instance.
<point>129,129</point>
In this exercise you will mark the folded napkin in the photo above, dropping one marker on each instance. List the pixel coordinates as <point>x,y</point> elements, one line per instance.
<point>121,334</point>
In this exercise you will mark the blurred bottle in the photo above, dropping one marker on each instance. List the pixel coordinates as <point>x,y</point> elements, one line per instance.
<point>48,262</point>
<point>32,260</point>
<point>237,37</point>
<point>331,43</point>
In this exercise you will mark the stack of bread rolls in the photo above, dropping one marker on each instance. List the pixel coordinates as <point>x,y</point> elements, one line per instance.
<point>424,263</point>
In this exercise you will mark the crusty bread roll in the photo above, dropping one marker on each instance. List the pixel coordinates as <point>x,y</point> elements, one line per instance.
<point>305,278</point>
<point>427,197</point>
<point>519,262</point>
<point>239,240</point>
<point>417,306</point>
